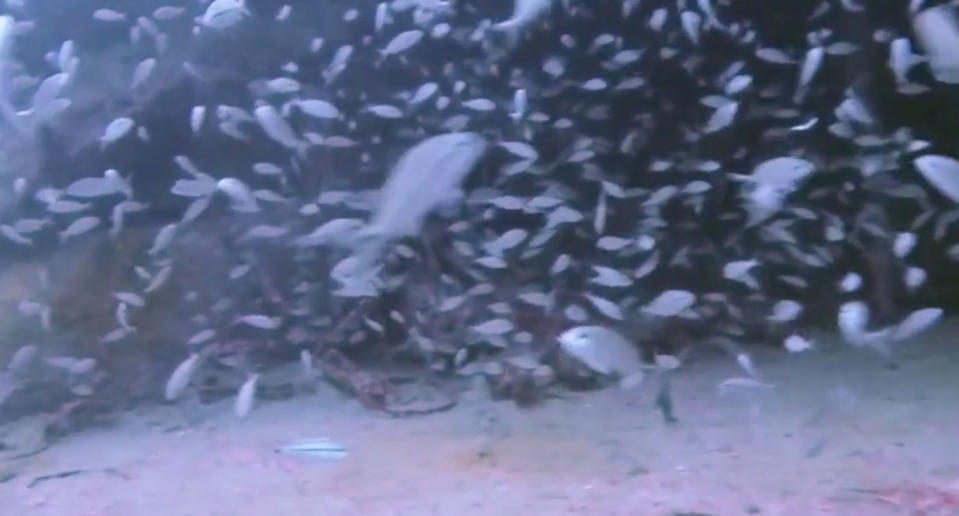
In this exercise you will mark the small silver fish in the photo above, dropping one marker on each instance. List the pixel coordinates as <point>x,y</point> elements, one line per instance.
<point>937,29</point>
<point>122,317</point>
<point>692,25</point>
<point>785,310</point>
<point>23,358</point>
<point>903,244</point>
<point>193,187</point>
<point>340,59</point>
<point>80,226</point>
<point>168,12</point>
<point>129,298</point>
<point>658,19</point>
<point>266,231</point>
<point>524,13</point>
<point>88,187</point>
<point>265,168</point>
<point>423,93</point>
<point>610,277</point>
<point>148,26</point>
<point>142,72</point>
<point>264,322</point>
<point>307,369</point>
<point>163,238</point>
<point>382,16</point>
<point>109,15</point>
<point>197,115</point>
<point>916,323</point>
<point>116,129</point>
<point>241,198</point>
<point>14,236</point>
<point>246,396</point>
<point>221,14</point>
<point>722,117</point>
<point>201,336</point>
<point>441,30</point>
<point>493,327</point>
<point>519,104</point>
<point>506,241</point>
<point>318,448</point>
<point>807,72</point>
<point>402,42</point>
<point>853,319</point>
<point>283,85</point>
<point>914,277</point>
<point>797,344</point>
<point>480,104</point>
<point>385,111</point>
<point>277,129</point>
<point>180,379</point>
<point>743,382</point>
<point>670,303</point>
<point>318,108</point>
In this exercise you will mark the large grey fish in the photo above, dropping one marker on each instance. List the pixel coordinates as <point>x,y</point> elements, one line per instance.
<point>604,351</point>
<point>425,176</point>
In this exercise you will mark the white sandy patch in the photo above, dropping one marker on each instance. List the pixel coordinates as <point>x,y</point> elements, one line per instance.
<point>837,421</point>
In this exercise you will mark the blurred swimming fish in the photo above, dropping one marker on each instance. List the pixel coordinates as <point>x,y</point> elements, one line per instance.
<point>604,351</point>
<point>670,303</point>
<point>853,320</point>
<point>180,379</point>
<point>402,42</point>
<point>317,448</point>
<point>524,13</point>
<point>796,343</point>
<point>937,29</point>
<point>425,176</point>
<point>245,396</point>
<point>7,35</point>
<point>263,322</point>
<point>221,14</point>
<point>942,172</point>
<point>79,226</point>
<point>241,198</point>
<point>916,323</point>
<point>785,310</point>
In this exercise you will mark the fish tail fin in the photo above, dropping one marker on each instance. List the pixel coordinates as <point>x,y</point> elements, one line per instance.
<point>510,32</point>
<point>631,381</point>
<point>367,245</point>
<point>7,112</point>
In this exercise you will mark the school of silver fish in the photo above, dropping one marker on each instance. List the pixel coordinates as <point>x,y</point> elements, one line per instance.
<point>599,162</point>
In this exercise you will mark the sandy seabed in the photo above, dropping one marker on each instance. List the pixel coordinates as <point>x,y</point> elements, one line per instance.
<point>840,434</point>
